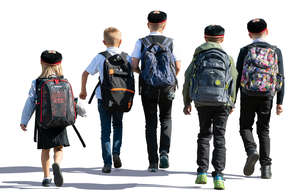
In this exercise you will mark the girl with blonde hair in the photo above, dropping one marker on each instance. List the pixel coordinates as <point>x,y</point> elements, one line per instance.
<point>55,138</point>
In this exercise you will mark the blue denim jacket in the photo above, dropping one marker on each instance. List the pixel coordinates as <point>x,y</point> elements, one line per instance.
<point>29,106</point>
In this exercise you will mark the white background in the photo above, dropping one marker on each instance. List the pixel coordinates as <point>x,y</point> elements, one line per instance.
<point>75,29</point>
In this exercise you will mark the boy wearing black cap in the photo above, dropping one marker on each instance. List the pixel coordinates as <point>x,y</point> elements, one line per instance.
<point>210,83</point>
<point>153,96</point>
<point>261,75</point>
<point>55,138</point>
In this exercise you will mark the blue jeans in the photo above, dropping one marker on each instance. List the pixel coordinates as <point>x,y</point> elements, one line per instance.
<point>105,118</point>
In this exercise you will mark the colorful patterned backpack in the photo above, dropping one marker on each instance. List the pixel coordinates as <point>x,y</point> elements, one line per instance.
<point>260,75</point>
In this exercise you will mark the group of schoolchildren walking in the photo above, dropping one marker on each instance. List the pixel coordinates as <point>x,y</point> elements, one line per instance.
<point>211,80</point>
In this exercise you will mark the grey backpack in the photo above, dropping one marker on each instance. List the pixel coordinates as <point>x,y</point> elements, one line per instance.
<point>211,81</point>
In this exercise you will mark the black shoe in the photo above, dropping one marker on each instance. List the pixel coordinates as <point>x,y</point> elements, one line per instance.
<point>46,182</point>
<point>164,161</point>
<point>58,178</point>
<point>117,161</point>
<point>250,163</point>
<point>153,167</point>
<point>106,168</point>
<point>266,172</point>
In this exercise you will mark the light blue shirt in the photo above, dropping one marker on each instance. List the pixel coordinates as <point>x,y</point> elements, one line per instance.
<point>259,40</point>
<point>96,66</point>
<point>29,106</point>
<point>138,46</point>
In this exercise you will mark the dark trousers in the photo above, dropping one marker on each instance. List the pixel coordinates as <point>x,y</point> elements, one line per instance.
<point>261,106</point>
<point>151,99</point>
<point>212,121</point>
<point>109,119</point>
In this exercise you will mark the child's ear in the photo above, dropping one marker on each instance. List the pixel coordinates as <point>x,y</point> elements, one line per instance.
<point>164,25</point>
<point>148,25</point>
<point>250,35</point>
<point>104,42</point>
<point>267,32</point>
<point>120,42</point>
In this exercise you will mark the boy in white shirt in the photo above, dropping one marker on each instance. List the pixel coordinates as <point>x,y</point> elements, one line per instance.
<point>112,40</point>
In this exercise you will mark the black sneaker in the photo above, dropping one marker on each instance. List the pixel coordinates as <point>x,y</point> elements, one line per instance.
<point>250,163</point>
<point>153,167</point>
<point>58,178</point>
<point>266,172</point>
<point>117,161</point>
<point>46,182</point>
<point>164,161</point>
<point>106,168</point>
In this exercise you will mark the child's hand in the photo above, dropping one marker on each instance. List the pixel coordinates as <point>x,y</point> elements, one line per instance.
<point>231,110</point>
<point>82,95</point>
<point>187,109</point>
<point>279,109</point>
<point>23,127</point>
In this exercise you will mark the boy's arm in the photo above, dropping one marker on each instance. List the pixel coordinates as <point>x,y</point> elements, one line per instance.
<point>234,75</point>
<point>177,66</point>
<point>186,86</point>
<point>83,92</point>
<point>280,94</point>
<point>135,65</point>
<point>239,68</point>
<point>29,107</point>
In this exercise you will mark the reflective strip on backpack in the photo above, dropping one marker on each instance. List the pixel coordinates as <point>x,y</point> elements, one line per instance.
<point>122,89</point>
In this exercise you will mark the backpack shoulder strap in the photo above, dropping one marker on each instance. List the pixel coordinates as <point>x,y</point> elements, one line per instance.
<point>124,56</point>
<point>79,136</point>
<point>35,121</point>
<point>146,42</point>
<point>167,42</point>
<point>106,54</point>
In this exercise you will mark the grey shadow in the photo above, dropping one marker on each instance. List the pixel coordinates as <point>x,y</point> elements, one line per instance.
<point>115,172</point>
<point>91,186</point>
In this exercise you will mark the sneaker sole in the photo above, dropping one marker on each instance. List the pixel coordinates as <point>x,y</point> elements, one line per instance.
<point>58,178</point>
<point>201,182</point>
<point>250,164</point>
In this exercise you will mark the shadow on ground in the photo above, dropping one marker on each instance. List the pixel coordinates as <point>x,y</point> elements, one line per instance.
<point>97,171</point>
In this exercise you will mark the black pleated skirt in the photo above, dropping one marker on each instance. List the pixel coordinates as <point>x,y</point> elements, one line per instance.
<point>50,138</point>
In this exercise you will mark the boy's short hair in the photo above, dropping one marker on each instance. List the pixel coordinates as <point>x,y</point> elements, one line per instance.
<point>257,25</point>
<point>112,35</point>
<point>156,26</point>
